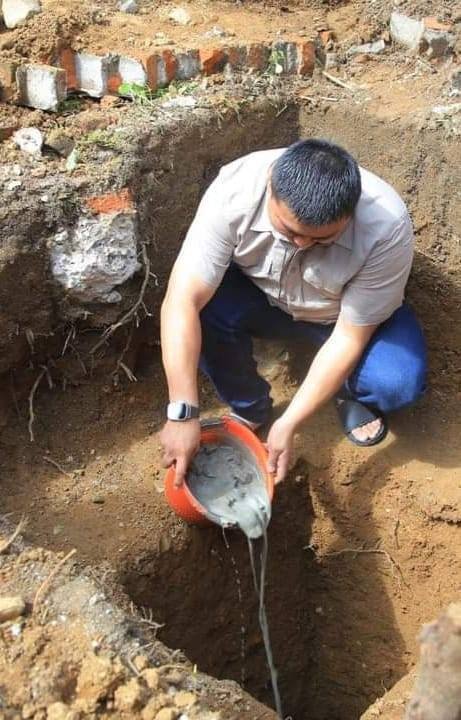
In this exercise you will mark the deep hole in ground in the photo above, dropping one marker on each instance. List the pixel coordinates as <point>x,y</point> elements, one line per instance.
<point>342,625</point>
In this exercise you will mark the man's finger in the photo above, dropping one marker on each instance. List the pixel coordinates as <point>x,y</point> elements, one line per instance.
<point>272,460</point>
<point>282,467</point>
<point>167,461</point>
<point>181,469</point>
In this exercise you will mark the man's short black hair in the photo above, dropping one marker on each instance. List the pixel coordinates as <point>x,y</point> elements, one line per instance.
<point>318,181</point>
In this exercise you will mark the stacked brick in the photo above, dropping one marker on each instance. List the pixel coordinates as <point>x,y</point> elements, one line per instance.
<point>45,86</point>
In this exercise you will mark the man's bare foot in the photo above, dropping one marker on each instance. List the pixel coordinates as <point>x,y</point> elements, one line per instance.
<point>361,424</point>
<point>368,431</point>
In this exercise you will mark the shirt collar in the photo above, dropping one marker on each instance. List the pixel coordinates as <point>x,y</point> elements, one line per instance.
<point>261,223</point>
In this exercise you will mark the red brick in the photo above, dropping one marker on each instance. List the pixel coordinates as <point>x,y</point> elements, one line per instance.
<point>306,58</point>
<point>258,56</point>
<point>66,61</point>
<point>169,59</point>
<point>161,69</point>
<point>212,60</point>
<point>7,79</point>
<point>236,57</point>
<point>111,203</point>
<point>431,23</point>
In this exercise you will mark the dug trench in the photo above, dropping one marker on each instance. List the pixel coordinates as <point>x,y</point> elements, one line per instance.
<point>364,544</point>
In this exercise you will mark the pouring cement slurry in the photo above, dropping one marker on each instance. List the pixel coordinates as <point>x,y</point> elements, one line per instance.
<point>227,483</point>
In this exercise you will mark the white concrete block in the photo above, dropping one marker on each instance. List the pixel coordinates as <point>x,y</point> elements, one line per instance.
<point>132,71</point>
<point>17,12</point>
<point>188,65</point>
<point>97,254</point>
<point>406,31</point>
<point>93,73</point>
<point>41,86</point>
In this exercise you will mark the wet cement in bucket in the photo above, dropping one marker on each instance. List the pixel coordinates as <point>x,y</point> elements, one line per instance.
<point>227,482</point>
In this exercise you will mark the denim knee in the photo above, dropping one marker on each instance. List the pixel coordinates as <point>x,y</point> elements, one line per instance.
<point>400,387</point>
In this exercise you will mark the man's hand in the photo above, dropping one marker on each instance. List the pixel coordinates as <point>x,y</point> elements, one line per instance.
<point>280,446</point>
<point>180,442</point>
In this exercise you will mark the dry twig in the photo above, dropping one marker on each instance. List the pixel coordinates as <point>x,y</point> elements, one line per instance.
<point>134,308</point>
<point>57,466</point>
<point>31,401</point>
<point>338,81</point>
<point>8,543</point>
<point>120,364</point>
<point>371,551</point>
<point>47,582</point>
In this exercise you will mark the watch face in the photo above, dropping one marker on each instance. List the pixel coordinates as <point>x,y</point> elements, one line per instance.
<point>181,411</point>
<point>177,411</point>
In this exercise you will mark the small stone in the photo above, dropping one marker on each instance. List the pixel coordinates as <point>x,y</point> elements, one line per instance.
<point>373,48</point>
<point>185,700</point>
<point>128,6</point>
<point>180,16</point>
<point>61,143</point>
<point>151,678</point>
<point>29,140</point>
<point>331,60</point>
<point>130,696</point>
<point>11,608</point>
<point>218,32</point>
<point>167,714</point>
<point>17,12</point>
<point>98,499</point>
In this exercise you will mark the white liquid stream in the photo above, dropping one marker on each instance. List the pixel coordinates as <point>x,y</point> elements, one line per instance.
<point>227,483</point>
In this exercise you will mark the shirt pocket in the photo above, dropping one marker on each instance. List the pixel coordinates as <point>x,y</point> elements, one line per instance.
<point>325,281</point>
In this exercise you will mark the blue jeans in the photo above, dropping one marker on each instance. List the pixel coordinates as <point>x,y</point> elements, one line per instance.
<point>390,374</point>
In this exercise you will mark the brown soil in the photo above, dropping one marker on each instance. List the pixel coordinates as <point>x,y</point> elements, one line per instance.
<point>76,654</point>
<point>364,544</point>
<point>101,28</point>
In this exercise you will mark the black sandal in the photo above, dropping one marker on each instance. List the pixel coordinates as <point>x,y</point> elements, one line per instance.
<point>353,415</point>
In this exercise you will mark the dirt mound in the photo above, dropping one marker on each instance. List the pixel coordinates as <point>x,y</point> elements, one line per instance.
<point>73,653</point>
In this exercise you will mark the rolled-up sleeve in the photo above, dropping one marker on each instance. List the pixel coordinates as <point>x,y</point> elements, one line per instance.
<point>377,290</point>
<point>209,244</point>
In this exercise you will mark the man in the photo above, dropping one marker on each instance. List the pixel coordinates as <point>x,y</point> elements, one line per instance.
<point>293,243</point>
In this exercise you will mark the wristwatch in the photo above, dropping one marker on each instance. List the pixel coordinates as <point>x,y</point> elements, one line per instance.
<point>180,411</point>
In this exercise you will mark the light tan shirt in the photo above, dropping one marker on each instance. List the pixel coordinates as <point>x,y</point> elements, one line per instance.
<point>361,275</point>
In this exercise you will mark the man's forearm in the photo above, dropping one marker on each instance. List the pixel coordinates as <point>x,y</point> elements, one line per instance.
<point>181,339</point>
<point>330,368</point>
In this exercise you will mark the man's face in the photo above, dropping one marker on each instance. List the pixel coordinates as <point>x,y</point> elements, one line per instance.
<point>303,236</point>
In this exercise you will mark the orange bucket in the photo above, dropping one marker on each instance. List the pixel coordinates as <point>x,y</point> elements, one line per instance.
<point>183,502</point>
